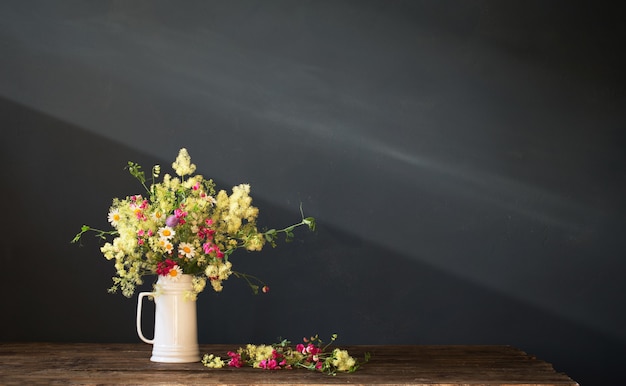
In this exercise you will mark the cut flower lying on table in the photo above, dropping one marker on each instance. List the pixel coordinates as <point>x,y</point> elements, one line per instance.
<point>183,225</point>
<point>310,355</point>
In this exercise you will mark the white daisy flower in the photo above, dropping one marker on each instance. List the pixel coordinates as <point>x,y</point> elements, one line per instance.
<point>175,273</point>
<point>186,250</point>
<point>114,217</point>
<point>158,216</point>
<point>166,233</point>
<point>168,247</point>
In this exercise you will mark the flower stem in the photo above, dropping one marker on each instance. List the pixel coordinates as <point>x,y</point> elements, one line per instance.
<point>99,233</point>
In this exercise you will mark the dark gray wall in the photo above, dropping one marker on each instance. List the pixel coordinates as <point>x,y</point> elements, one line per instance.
<point>464,159</point>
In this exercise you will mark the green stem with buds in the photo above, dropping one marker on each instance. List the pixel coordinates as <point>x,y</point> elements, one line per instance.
<point>99,233</point>
<point>272,234</point>
<point>247,278</point>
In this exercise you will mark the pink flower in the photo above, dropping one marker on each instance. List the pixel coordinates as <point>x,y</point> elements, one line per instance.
<point>269,364</point>
<point>164,267</point>
<point>209,248</point>
<point>235,359</point>
<point>308,349</point>
<point>206,233</point>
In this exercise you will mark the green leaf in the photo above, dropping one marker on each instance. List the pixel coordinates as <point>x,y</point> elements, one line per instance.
<point>83,229</point>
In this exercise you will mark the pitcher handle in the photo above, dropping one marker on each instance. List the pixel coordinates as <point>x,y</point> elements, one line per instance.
<point>139,303</point>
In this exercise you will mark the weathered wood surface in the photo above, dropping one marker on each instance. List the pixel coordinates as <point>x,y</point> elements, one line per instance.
<point>129,364</point>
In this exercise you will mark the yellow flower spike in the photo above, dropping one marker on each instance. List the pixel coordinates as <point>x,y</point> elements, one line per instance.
<point>183,166</point>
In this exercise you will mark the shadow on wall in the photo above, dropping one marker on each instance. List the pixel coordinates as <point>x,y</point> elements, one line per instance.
<point>57,177</point>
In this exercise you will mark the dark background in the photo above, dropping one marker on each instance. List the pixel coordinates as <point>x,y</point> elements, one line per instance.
<point>464,160</point>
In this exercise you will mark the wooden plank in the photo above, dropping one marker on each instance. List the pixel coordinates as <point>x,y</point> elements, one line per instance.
<point>102,364</point>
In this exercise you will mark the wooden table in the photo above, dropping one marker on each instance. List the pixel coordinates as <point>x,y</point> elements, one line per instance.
<point>129,364</point>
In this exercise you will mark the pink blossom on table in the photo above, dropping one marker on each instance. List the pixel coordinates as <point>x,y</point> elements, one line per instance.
<point>265,289</point>
<point>269,364</point>
<point>235,359</point>
<point>310,349</point>
<point>276,362</point>
<point>283,356</point>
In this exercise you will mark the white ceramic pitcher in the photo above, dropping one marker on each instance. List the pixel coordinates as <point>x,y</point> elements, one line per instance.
<point>175,321</point>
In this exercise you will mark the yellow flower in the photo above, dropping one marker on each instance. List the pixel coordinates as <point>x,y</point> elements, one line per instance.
<point>212,361</point>
<point>198,284</point>
<point>108,250</point>
<point>224,270</point>
<point>217,285</point>
<point>255,242</point>
<point>183,166</point>
<point>342,360</point>
<point>264,352</point>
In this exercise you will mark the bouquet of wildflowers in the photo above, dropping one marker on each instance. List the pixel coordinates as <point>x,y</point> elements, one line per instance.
<point>183,225</point>
<point>310,355</point>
